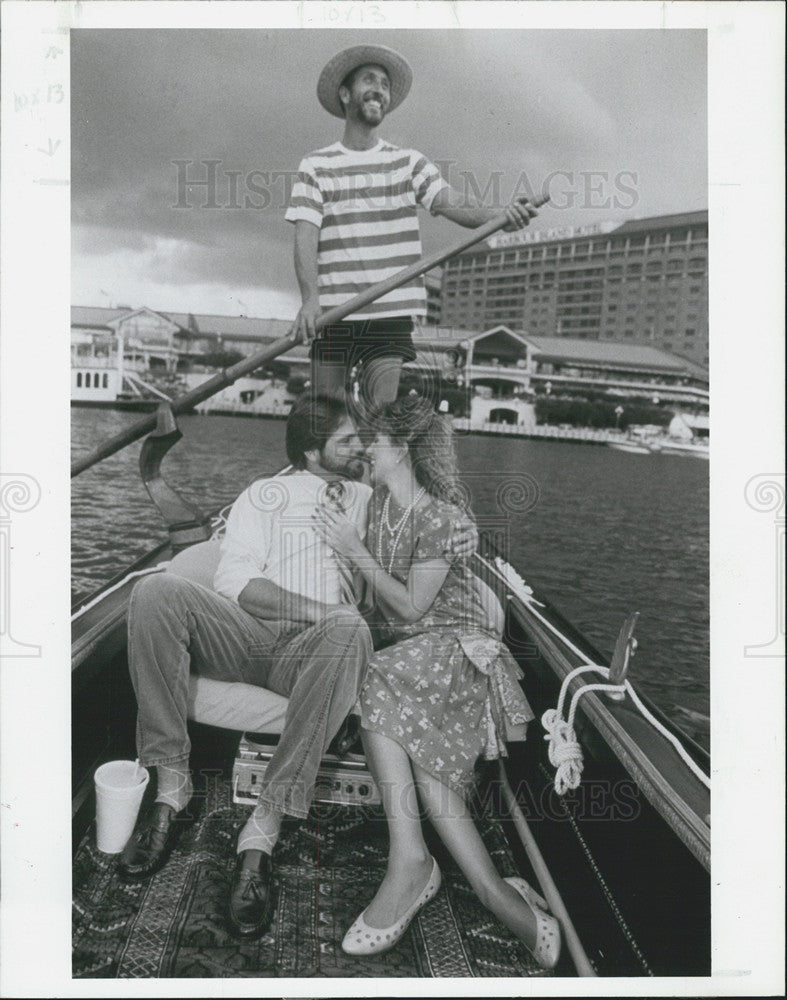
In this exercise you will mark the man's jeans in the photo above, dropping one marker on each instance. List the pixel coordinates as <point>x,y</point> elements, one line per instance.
<point>176,626</point>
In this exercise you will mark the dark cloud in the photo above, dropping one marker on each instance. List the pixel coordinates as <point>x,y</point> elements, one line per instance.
<point>507,107</point>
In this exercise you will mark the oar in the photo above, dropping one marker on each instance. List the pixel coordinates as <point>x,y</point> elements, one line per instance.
<point>226,377</point>
<point>545,880</point>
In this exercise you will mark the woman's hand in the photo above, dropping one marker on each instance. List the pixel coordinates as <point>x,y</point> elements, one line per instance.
<point>338,531</point>
<point>463,539</point>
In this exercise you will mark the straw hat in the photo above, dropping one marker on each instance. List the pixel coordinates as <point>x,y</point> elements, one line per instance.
<point>396,66</point>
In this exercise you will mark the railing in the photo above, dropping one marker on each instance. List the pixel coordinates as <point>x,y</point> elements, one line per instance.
<point>588,434</point>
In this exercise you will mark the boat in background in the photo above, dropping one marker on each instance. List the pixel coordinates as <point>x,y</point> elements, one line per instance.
<point>635,447</point>
<point>694,449</point>
<point>687,434</point>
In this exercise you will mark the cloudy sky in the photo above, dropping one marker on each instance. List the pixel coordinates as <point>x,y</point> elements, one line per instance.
<point>613,121</point>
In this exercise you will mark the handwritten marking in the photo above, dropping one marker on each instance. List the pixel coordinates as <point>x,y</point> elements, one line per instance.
<point>51,150</point>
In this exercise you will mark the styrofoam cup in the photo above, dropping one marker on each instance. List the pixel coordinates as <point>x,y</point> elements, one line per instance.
<point>120,785</point>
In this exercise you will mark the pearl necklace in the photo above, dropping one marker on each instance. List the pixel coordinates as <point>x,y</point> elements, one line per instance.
<point>396,530</point>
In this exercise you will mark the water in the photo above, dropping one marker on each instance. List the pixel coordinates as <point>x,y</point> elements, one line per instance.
<point>598,532</point>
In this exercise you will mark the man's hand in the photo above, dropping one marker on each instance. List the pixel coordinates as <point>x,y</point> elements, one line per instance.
<point>304,325</point>
<point>463,540</point>
<point>519,214</point>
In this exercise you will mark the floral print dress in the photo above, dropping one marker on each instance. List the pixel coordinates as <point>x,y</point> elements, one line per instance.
<point>447,689</point>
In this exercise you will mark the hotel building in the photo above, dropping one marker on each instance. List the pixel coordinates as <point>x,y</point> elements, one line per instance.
<point>643,281</point>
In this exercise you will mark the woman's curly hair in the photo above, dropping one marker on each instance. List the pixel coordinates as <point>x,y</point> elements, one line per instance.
<point>411,420</point>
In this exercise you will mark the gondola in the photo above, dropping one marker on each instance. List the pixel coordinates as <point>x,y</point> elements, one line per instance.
<point>610,817</point>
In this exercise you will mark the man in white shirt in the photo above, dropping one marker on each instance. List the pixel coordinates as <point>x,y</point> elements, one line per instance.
<point>281,615</point>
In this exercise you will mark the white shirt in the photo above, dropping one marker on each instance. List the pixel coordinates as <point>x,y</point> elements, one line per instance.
<point>270,534</point>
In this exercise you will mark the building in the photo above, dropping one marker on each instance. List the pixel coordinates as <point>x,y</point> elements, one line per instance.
<point>433,283</point>
<point>111,348</point>
<point>639,282</point>
<point>499,371</point>
<point>504,370</point>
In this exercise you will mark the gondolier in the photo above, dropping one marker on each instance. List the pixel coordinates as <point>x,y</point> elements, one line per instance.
<point>354,205</point>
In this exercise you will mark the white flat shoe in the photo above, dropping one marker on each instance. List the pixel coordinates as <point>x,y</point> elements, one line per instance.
<point>547,948</point>
<point>361,939</point>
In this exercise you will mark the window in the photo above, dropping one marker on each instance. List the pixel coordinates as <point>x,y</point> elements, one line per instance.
<point>689,331</point>
<point>105,381</point>
<point>79,380</point>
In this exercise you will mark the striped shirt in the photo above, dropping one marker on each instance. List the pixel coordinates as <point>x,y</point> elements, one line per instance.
<point>365,203</point>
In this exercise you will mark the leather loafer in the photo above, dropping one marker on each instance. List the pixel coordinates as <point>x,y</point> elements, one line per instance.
<point>156,833</point>
<point>251,902</point>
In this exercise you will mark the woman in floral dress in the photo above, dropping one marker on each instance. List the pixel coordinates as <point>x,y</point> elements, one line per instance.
<point>443,691</point>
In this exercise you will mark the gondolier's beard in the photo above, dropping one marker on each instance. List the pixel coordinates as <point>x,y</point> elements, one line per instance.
<point>369,113</point>
<point>372,112</point>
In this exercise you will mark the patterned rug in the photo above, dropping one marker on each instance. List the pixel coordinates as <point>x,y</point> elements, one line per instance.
<point>326,870</point>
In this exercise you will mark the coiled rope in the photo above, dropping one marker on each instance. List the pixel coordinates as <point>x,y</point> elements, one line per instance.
<point>565,752</point>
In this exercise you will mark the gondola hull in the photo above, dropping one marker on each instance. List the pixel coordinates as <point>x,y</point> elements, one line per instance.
<point>628,850</point>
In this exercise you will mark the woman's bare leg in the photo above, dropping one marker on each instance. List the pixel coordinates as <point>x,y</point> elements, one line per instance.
<point>451,819</point>
<point>409,861</point>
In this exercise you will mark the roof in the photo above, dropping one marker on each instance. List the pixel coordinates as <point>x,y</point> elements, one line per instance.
<point>235,326</point>
<point>94,315</point>
<point>606,352</point>
<point>655,222</point>
<point>441,337</point>
<point>249,327</point>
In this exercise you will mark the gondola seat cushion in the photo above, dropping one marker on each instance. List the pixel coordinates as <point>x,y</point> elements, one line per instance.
<point>228,705</point>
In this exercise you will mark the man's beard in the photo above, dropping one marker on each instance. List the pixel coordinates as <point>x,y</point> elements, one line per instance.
<point>370,117</point>
<point>351,468</point>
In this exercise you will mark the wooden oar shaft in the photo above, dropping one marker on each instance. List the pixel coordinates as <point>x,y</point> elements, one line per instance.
<point>226,377</point>
<point>545,880</point>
